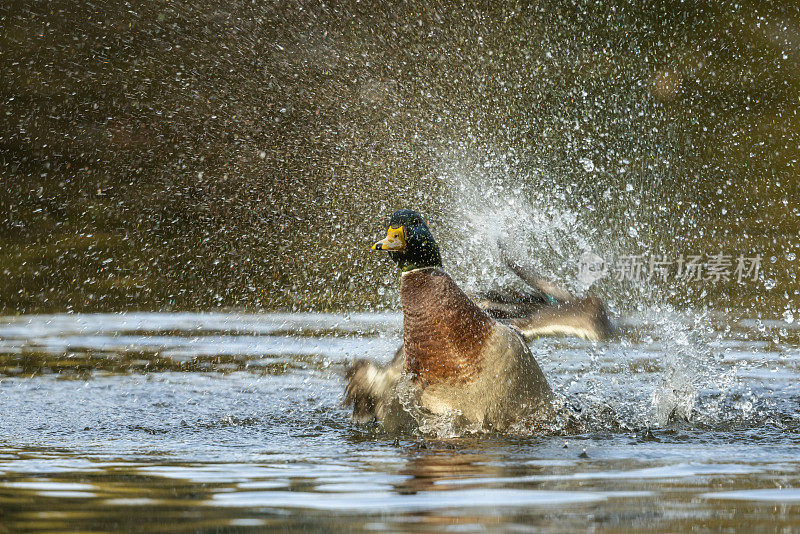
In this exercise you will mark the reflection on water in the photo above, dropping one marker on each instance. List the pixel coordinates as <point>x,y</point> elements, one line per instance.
<point>209,421</point>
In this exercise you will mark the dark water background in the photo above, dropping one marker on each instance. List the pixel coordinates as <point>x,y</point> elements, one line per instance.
<point>184,155</point>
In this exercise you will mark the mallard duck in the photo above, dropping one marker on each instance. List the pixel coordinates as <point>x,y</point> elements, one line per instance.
<point>547,308</point>
<point>456,360</point>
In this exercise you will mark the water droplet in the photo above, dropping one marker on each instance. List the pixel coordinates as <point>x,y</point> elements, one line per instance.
<point>788,316</point>
<point>769,283</point>
<point>588,165</point>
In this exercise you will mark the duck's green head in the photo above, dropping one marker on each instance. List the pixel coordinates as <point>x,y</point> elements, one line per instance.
<point>409,242</point>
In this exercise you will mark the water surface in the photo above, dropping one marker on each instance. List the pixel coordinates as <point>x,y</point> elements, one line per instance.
<point>169,422</point>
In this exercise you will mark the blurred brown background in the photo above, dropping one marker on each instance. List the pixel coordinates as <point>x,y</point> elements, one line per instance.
<point>178,155</point>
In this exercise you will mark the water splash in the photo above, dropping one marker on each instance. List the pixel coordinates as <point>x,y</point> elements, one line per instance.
<point>494,199</point>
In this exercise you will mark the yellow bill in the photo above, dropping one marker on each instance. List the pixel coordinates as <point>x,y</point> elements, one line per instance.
<point>395,240</point>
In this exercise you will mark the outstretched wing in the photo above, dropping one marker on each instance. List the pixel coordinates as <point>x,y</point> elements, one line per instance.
<point>368,386</point>
<point>586,318</point>
<point>550,290</point>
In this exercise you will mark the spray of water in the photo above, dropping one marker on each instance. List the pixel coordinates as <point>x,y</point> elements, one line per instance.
<point>491,201</point>
<point>495,199</point>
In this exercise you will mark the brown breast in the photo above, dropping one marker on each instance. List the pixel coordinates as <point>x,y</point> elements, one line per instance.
<point>444,332</point>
